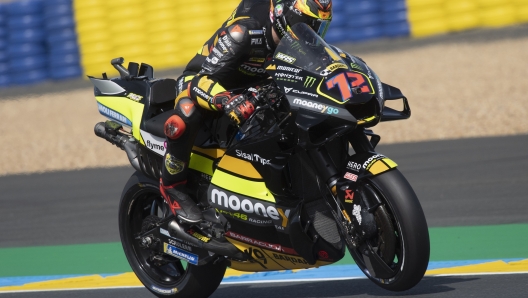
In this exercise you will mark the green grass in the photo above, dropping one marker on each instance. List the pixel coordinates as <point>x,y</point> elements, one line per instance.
<point>447,244</point>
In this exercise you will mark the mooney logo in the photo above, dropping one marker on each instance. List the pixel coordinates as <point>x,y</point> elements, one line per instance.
<point>315,106</point>
<point>220,199</point>
<point>309,82</point>
<point>371,159</point>
<point>252,69</point>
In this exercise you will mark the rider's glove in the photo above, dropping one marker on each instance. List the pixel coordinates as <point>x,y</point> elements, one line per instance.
<point>237,106</point>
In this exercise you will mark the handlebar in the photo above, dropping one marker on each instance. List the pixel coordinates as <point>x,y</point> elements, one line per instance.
<point>117,63</point>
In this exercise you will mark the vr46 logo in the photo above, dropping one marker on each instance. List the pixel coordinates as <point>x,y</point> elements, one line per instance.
<point>285,58</point>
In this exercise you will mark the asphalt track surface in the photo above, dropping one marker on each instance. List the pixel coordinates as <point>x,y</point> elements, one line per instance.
<point>488,286</point>
<point>466,182</point>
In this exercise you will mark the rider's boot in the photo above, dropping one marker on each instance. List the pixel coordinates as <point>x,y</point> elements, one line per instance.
<point>180,203</point>
<point>180,129</point>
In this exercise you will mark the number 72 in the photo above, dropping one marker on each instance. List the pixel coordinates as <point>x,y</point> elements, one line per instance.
<point>346,81</point>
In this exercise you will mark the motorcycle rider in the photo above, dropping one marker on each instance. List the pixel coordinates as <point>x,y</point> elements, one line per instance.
<point>231,58</point>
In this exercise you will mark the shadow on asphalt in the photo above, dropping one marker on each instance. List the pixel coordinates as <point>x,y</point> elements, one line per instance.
<point>343,288</point>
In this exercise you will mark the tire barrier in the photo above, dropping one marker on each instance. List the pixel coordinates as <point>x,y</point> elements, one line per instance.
<point>61,39</point>
<point>4,66</point>
<point>4,80</point>
<point>28,77</point>
<point>28,35</point>
<point>26,48</point>
<point>28,63</point>
<point>3,38</point>
<point>3,56</point>
<point>67,72</point>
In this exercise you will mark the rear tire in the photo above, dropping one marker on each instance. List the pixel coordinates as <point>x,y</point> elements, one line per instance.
<point>142,206</point>
<point>400,214</point>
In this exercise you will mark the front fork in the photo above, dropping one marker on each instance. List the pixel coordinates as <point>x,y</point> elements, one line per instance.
<point>357,219</point>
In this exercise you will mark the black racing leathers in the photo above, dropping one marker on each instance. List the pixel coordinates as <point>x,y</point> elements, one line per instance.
<point>232,58</point>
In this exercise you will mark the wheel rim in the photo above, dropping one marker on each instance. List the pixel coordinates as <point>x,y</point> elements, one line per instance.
<point>388,241</point>
<point>145,209</point>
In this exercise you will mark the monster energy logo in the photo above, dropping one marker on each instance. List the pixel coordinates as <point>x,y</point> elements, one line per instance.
<point>309,82</point>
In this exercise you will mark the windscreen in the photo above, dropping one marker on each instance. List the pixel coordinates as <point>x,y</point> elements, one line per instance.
<point>305,49</point>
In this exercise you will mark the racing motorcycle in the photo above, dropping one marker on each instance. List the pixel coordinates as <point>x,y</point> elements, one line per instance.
<point>294,187</point>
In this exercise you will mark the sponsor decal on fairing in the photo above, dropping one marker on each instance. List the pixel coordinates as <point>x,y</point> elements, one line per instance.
<point>268,213</point>
<point>371,160</point>
<point>354,166</point>
<point>253,157</point>
<point>285,58</point>
<point>180,254</point>
<point>290,69</point>
<point>134,97</point>
<point>287,90</point>
<point>109,113</point>
<point>256,242</point>
<point>315,106</point>
<point>351,177</point>
<point>153,142</point>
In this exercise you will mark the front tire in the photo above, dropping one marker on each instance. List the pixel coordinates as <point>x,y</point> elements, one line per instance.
<point>402,238</point>
<point>140,208</point>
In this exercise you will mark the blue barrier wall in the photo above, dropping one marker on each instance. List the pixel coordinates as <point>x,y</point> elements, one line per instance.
<point>60,39</point>
<point>37,42</point>
<point>361,20</point>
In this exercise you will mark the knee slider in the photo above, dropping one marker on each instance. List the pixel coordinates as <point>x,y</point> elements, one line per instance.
<point>174,127</point>
<point>186,106</point>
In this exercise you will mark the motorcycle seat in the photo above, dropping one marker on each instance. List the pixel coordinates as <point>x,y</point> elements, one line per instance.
<point>163,91</point>
<point>155,125</point>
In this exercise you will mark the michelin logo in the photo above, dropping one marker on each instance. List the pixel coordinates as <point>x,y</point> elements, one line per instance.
<point>180,254</point>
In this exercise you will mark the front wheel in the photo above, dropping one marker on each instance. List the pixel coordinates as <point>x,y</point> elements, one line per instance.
<point>140,209</point>
<point>396,255</point>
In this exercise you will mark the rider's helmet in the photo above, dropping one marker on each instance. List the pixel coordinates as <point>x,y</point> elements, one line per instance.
<point>315,13</point>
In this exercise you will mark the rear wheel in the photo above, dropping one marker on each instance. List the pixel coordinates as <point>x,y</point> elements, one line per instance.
<point>394,257</point>
<point>141,208</point>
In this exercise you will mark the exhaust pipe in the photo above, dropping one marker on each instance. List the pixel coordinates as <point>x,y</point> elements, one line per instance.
<point>109,131</point>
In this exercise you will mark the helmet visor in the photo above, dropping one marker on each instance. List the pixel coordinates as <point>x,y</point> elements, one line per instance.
<point>318,25</point>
